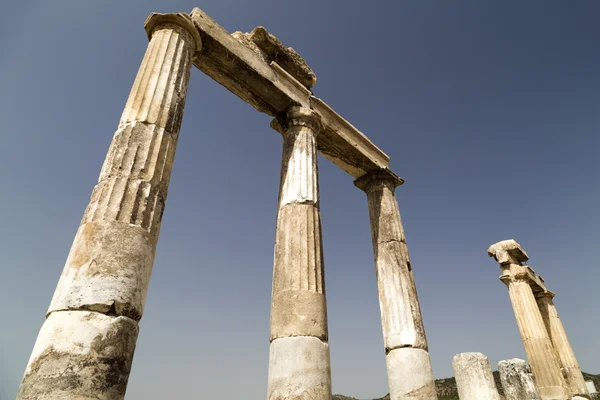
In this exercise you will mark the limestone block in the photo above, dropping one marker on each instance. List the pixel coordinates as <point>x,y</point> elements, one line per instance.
<point>507,251</point>
<point>474,378</point>
<point>299,369</point>
<point>108,270</point>
<point>517,380</point>
<point>270,49</point>
<point>299,313</point>
<point>410,376</point>
<point>80,355</point>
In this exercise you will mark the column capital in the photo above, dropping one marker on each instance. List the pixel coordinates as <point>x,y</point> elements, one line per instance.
<point>156,20</point>
<point>297,116</point>
<point>508,252</point>
<point>515,278</point>
<point>378,177</point>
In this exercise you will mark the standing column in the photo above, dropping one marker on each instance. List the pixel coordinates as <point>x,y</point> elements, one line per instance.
<point>544,365</point>
<point>410,375</point>
<point>299,353</point>
<point>85,348</point>
<point>474,377</point>
<point>558,336</point>
<point>542,357</point>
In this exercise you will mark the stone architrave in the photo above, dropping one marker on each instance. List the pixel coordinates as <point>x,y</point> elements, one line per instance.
<point>517,380</point>
<point>519,279</point>
<point>474,377</point>
<point>560,341</point>
<point>410,375</point>
<point>85,348</point>
<point>299,365</point>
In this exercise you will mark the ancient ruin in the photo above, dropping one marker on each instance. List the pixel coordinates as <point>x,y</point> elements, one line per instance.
<point>553,363</point>
<point>474,377</point>
<point>517,380</point>
<point>85,347</point>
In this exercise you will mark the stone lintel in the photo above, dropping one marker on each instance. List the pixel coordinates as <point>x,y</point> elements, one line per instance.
<point>287,57</point>
<point>382,174</point>
<point>524,272</point>
<point>271,89</point>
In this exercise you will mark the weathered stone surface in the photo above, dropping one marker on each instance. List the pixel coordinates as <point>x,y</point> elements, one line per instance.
<point>299,313</point>
<point>159,90</point>
<point>287,57</point>
<point>517,380</point>
<point>87,355</point>
<point>299,369</point>
<point>270,89</point>
<point>474,378</point>
<point>408,365</point>
<point>507,251</point>
<point>410,376</point>
<point>109,266</point>
<point>560,342</point>
<point>538,347</point>
<point>80,355</point>
<point>108,270</point>
<point>523,287</point>
<point>399,304</point>
<point>298,307</point>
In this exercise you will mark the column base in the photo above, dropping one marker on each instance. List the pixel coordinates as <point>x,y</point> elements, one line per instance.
<point>80,355</point>
<point>553,393</point>
<point>410,376</point>
<point>299,368</point>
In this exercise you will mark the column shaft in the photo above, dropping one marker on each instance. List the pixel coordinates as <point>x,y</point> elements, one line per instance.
<point>560,342</point>
<point>410,375</point>
<point>544,364</point>
<point>85,347</point>
<point>299,364</point>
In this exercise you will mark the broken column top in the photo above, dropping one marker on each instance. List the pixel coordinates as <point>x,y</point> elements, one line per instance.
<point>271,49</point>
<point>506,251</point>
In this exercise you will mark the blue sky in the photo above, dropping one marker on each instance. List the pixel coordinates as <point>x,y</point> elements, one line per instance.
<point>489,110</point>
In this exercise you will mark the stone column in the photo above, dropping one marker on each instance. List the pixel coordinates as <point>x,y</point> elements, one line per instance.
<point>538,346</point>
<point>299,353</point>
<point>558,336</point>
<point>410,375</point>
<point>85,348</point>
<point>517,380</point>
<point>474,377</point>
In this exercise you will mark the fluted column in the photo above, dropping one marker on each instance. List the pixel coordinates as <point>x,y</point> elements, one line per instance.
<point>299,353</point>
<point>410,375</point>
<point>85,348</point>
<point>560,341</point>
<point>538,347</point>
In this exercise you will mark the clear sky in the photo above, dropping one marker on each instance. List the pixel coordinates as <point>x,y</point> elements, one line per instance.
<point>489,110</point>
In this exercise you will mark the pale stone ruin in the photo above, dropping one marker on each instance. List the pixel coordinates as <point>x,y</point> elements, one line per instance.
<point>474,377</point>
<point>553,363</point>
<point>517,380</point>
<point>85,347</point>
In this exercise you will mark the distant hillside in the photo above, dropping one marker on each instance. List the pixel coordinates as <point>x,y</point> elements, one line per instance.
<point>446,388</point>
